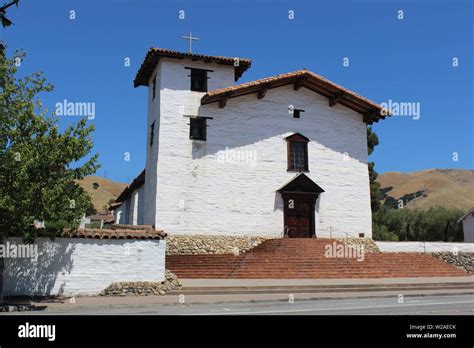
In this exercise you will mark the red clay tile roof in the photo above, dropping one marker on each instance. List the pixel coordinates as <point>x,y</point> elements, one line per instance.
<point>301,78</point>
<point>96,233</point>
<point>154,54</point>
<point>115,205</point>
<point>98,217</point>
<point>131,227</point>
<point>136,183</point>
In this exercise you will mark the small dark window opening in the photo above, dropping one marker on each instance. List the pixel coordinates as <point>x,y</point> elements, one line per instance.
<point>297,113</point>
<point>197,129</point>
<point>152,132</point>
<point>154,87</point>
<point>297,153</point>
<point>198,80</point>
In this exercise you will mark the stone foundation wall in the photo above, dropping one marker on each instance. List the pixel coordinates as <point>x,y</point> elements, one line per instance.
<point>369,244</point>
<point>464,261</point>
<point>199,244</point>
<point>171,282</point>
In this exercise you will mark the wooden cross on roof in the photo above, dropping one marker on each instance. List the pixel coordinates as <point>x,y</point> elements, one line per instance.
<point>190,38</point>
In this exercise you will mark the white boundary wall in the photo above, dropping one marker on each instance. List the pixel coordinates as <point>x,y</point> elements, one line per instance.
<point>421,247</point>
<point>83,266</point>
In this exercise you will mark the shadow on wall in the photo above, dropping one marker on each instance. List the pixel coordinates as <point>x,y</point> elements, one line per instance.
<point>268,119</point>
<point>37,275</point>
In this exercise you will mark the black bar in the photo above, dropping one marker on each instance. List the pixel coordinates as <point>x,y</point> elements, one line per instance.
<point>242,330</point>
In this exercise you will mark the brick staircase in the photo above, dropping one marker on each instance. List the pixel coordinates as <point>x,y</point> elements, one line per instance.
<point>301,258</point>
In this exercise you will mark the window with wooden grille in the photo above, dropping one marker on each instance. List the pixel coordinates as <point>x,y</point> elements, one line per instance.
<point>297,147</point>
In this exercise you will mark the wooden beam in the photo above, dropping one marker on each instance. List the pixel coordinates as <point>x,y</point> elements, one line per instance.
<point>299,83</point>
<point>318,89</point>
<point>336,98</point>
<point>370,116</point>
<point>223,102</point>
<point>261,93</point>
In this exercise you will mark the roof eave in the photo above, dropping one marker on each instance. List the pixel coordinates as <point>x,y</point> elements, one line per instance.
<point>153,56</point>
<point>371,111</point>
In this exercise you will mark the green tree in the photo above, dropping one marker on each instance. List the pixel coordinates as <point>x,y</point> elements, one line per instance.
<point>3,10</point>
<point>38,163</point>
<point>432,224</point>
<point>372,142</point>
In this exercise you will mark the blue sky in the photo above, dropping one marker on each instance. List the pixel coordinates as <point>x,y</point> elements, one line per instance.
<point>408,60</point>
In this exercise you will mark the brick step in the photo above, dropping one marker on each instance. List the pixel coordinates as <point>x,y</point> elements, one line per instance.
<point>290,275</point>
<point>319,273</point>
<point>279,273</point>
<point>379,256</point>
<point>354,271</point>
<point>311,265</point>
<point>305,258</point>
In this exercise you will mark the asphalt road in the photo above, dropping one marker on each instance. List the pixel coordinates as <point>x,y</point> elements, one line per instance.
<point>411,305</point>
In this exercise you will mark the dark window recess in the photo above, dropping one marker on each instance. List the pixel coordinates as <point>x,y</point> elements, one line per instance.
<point>152,132</point>
<point>297,113</point>
<point>197,129</point>
<point>198,80</point>
<point>154,87</point>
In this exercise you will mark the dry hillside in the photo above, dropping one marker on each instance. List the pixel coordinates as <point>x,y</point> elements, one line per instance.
<point>445,187</point>
<point>106,190</point>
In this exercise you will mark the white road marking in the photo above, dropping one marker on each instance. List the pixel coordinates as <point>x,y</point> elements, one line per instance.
<point>338,308</point>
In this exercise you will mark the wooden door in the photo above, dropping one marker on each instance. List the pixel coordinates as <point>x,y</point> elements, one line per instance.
<point>299,217</point>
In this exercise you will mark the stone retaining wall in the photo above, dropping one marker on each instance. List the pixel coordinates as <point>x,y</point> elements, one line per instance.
<point>368,244</point>
<point>199,244</point>
<point>464,261</point>
<point>171,282</point>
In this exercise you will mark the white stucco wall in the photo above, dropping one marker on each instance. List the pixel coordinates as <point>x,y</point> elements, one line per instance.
<point>136,203</point>
<point>118,215</point>
<point>83,266</point>
<point>197,194</point>
<point>173,77</point>
<point>468,228</point>
<point>133,208</point>
<point>420,247</point>
<point>152,150</point>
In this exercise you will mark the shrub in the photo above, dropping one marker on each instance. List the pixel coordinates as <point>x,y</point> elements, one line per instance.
<point>433,224</point>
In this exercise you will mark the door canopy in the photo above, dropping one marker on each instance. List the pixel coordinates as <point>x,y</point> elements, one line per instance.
<point>301,184</point>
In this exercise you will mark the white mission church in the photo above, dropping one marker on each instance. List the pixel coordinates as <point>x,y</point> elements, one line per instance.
<point>280,156</point>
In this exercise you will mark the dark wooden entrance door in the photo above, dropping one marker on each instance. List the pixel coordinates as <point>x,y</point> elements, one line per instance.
<point>299,199</point>
<point>299,217</point>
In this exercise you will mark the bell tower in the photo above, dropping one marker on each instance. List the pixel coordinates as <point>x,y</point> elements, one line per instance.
<point>176,83</point>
